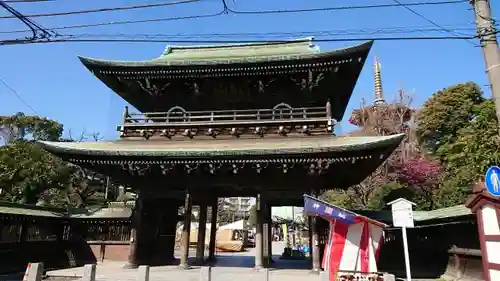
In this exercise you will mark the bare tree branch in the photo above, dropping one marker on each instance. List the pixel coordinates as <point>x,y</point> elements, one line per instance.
<point>379,120</point>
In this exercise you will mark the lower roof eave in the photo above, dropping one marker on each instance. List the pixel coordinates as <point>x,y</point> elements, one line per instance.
<point>260,147</point>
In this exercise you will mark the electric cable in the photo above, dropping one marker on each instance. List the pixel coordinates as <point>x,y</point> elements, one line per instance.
<point>406,6</point>
<point>344,7</point>
<point>293,34</point>
<point>482,31</point>
<point>256,42</point>
<point>125,22</point>
<point>227,10</point>
<point>144,6</point>
<point>35,28</point>
<point>27,1</point>
<point>18,96</point>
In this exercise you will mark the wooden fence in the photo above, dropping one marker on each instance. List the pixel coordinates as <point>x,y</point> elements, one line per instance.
<point>25,239</point>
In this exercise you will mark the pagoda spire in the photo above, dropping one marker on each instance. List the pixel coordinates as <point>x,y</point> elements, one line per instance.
<point>379,95</point>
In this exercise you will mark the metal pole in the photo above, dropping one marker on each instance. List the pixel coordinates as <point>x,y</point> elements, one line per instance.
<point>488,38</point>
<point>407,255</point>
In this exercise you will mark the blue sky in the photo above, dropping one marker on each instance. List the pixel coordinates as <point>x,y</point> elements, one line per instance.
<point>54,82</point>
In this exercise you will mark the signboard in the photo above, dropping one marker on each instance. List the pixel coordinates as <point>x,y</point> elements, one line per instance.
<point>402,213</point>
<point>492,180</point>
<point>402,218</point>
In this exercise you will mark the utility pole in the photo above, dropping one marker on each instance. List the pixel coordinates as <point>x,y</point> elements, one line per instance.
<point>487,35</point>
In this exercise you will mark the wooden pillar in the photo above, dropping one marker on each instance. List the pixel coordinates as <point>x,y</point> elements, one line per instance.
<point>186,229</point>
<point>102,252</point>
<point>316,263</point>
<point>169,221</point>
<point>309,228</point>
<point>270,234</point>
<point>265,236</point>
<point>133,260</point>
<point>258,234</point>
<point>202,227</point>
<point>245,232</point>
<point>213,231</point>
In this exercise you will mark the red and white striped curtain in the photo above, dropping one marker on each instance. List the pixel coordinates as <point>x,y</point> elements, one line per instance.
<point>352,247</point>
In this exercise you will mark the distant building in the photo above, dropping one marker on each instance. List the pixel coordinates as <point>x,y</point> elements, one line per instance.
<point>240,205</point>
<point>288,213</point>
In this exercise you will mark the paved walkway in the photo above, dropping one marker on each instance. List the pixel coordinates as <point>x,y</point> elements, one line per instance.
<point>229,267</point>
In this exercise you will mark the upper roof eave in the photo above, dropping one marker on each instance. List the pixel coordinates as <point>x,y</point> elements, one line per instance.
<point>165,61</point>
<point>221,148</point>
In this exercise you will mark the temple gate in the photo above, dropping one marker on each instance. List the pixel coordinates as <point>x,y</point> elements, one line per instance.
<point>225,121</point>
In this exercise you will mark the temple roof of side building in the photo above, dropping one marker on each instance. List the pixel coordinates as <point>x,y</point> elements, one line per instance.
<point>7,208</point>
<point>230,54</point>
<point>420,217</point>
<point>229,147</point>
<point>443,213</point>
<point>105,213</point>
<point>116,210</point>
<point>423,217</point>
<point>121,210</point>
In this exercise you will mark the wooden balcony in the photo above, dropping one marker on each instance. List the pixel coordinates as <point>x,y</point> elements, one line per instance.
<point>282,120</point>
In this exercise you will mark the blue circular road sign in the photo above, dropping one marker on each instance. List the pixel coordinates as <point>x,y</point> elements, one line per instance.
<point>492,180</point>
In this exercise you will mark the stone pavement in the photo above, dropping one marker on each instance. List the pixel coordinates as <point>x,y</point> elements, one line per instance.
<point>229,267</point>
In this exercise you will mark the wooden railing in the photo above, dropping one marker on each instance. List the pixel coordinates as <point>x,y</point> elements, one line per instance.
<point>107,232</point>
<point>282,119</point>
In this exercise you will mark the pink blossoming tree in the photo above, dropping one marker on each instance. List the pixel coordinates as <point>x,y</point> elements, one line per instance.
<point>422,175</point>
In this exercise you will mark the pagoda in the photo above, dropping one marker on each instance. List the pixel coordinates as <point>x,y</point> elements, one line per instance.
<point>225,121</point>
<point>381,117</point>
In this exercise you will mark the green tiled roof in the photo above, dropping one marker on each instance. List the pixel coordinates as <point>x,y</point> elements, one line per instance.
<point>119,211</point>
<point>443,213</point>
<point>30,210</point>
<point>238,51</point>
<point>105,213</point>
<point>123,211</point>
<point>422,216</point>
<point>228,147</point>
<point>230,53</point>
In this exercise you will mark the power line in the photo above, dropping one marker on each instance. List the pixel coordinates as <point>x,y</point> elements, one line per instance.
<point>20,42</point>
<point>125,22</point>
<point>144,6</point>
<point>294,34</point>
<point>18,96</point>
<point>226,10</point>
<point>406,6</point>
<point>27,1</point>
<point>37,30</point>
<point>344,7</point>
<point>263,36</point>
